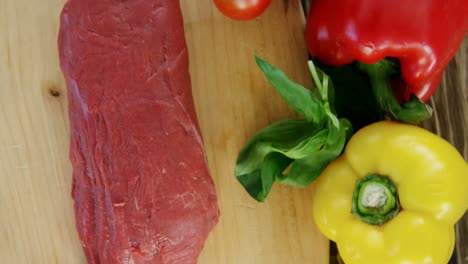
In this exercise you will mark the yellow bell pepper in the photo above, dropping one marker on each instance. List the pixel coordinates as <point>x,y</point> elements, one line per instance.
<point>393,196</point>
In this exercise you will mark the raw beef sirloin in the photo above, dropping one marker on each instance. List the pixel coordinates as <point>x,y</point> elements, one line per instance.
<point>141,186</point>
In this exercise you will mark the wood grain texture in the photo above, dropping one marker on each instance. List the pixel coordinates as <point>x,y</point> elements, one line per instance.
<point>36,210</point>
<point>233,100</point>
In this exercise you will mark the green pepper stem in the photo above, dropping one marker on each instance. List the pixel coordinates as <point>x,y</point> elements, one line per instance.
<point>380,74</point>
<point>375,199</point>
<point>374,196</point>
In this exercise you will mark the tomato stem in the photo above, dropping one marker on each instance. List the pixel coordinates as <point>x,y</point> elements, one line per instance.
<point>375,199</point>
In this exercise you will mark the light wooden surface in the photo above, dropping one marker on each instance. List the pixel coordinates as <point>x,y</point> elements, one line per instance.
<point>233,100</point>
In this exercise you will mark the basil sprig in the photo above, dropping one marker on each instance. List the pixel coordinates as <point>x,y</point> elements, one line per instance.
<point>304,145</point>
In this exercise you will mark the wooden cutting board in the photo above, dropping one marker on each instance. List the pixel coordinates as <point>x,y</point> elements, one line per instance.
<point>233,100</point>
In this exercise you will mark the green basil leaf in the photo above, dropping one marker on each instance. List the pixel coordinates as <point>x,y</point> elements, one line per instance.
<point>308,144</point>
<point>304,171</point>
<point>299,98</point>
<point>349,82</point>
<point>280,136</point>
<point>273,166</point>
<point>266,156</point>
<point>259,182</point>
<point>305,147</point>
<point>326,90</point>
<point>272,150</point>
<point>252,183</point>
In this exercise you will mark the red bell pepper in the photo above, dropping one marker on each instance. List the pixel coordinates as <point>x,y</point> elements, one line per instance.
<point>422,36</point>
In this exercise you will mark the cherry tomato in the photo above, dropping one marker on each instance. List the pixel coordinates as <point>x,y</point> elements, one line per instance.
<point>242,9</point>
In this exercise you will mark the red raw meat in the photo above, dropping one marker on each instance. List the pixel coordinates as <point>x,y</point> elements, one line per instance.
<point>141,186</point>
